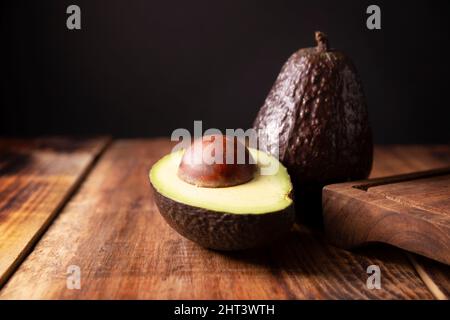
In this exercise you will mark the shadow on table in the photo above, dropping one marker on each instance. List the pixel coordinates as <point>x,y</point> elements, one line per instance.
<point>306,252</point>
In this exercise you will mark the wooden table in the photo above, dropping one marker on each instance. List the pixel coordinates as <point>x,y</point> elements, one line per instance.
<point>87,202</point>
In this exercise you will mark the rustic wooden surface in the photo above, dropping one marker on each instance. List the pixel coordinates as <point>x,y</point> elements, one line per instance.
<point>399,159</point>
<point>112,230</point>
<point>435,275</point>
<point>36,176</point>
<point>410,211</point>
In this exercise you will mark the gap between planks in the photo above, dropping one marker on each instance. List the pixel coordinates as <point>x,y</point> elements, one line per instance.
<point>58,209</point>
<point>426,279</point>
<point>429,283</point>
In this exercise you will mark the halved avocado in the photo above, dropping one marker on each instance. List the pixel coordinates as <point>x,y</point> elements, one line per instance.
<point>228,218</point>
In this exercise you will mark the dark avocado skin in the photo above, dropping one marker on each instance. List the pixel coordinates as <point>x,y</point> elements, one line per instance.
<point>224,231</point>
<point>317,109</point>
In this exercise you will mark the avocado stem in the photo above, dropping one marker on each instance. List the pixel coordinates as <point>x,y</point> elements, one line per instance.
<point>322,41</point>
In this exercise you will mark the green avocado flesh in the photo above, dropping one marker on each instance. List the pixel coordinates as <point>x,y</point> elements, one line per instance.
<point>263,194</point>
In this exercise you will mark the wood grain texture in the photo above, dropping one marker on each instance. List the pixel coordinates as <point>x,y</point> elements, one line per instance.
<point>430,193</point>
<point>36,177</point>
<point>434,275</point>
<point>409,211</point>
<point>401,159</point>
<point>439,273</point>
<point>397,159</point>
<point>112,230</point>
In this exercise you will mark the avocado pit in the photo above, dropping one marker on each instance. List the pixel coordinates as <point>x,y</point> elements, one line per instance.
<point>217,161</point>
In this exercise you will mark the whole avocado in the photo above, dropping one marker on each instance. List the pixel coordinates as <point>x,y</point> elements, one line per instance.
<point>315,118</point>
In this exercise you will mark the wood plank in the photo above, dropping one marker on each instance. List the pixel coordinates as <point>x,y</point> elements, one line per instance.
<point>409,211</point>
<point>36,177</point>
<point>400,159</point>
<point>112,230</point>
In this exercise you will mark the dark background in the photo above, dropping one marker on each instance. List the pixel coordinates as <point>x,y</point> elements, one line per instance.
<point>144,68</point>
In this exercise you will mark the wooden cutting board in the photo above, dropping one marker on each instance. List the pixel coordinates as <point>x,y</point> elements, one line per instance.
<point>409,211</point>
